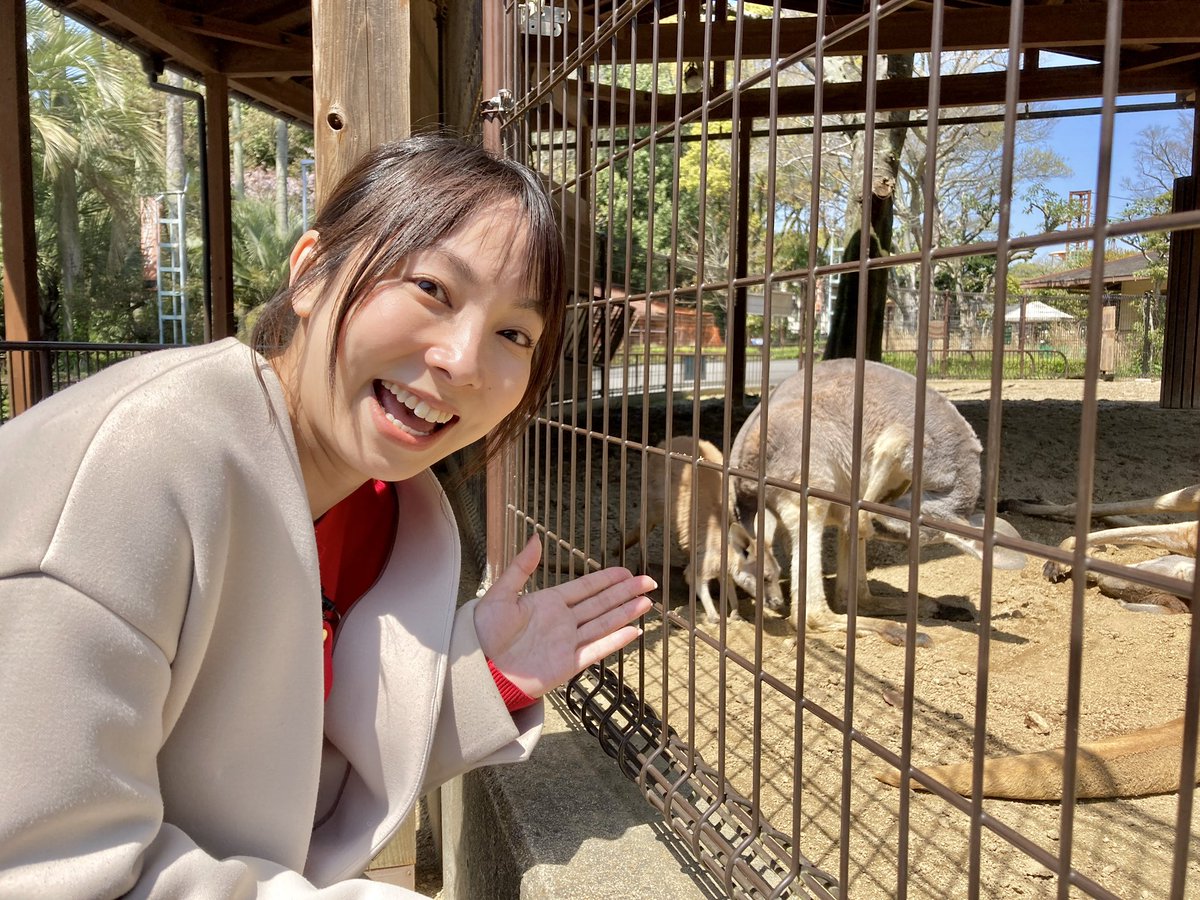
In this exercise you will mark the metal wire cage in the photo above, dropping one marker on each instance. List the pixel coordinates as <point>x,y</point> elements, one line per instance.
<point>716,166</point>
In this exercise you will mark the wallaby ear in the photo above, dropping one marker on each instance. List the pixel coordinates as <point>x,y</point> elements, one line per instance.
<point>770,522</point>
<point>739,537</point>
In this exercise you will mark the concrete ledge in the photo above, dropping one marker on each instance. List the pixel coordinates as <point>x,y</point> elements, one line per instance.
<point>566,824</point>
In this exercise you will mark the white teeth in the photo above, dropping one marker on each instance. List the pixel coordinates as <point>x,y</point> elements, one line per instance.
<point>420,408</point>
<point>404,427</point>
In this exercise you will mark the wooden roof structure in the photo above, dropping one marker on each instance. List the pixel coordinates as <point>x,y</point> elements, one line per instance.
<point>264,48</point>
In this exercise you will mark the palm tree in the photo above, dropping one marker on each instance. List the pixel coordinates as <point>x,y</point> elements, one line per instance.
<point>260,255</point>
<point>95,132</point>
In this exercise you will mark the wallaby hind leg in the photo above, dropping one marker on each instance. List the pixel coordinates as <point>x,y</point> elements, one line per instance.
<point>1175,537</point>
<point>699,586</point>
<point>729,595</point>
<point>842,582</point>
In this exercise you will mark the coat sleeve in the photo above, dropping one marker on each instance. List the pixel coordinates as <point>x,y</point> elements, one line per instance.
<point>81,815</point>
<point>474,726</point>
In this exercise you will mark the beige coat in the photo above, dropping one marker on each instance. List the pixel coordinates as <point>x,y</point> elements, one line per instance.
<point>162,730</point>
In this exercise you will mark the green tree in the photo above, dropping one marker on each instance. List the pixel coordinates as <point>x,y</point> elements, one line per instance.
<point>96,151</point>
<point>260,255</point>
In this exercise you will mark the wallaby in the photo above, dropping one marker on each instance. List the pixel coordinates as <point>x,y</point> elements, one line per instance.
<point>950,489</point>
<point>1141,762</point>
<point>1180,538</point>
<point>1136,764</point>
<point>704,493</point>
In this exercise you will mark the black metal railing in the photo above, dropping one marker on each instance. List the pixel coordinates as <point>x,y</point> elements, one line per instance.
<point>33,370</point>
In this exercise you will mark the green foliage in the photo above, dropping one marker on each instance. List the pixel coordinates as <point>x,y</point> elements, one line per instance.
<point>260,256</point>
<point>258,140</point>
<point>96,151</point>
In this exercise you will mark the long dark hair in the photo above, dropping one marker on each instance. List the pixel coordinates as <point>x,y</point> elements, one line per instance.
<point>407,196</point>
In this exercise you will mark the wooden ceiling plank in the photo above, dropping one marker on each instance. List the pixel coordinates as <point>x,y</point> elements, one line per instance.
<point>236,32</point>
<point>254,62</point>
<point>291,21</point>
<point>146,20</point>
<point>1157,59</point>
<point>291,99</point>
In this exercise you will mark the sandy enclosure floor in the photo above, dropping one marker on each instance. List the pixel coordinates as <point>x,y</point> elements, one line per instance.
<point>1133,664</point>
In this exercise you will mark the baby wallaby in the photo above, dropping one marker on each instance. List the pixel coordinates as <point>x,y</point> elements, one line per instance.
<point>694,496</point>
<point>950,483</point>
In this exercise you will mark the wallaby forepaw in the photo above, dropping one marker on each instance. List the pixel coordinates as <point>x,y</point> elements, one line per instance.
<point>1055,572</point>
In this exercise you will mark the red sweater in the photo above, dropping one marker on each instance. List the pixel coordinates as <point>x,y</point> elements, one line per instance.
<point>354,540</point>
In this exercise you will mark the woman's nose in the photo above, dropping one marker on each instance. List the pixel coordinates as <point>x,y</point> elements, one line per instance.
<point>454,353</point>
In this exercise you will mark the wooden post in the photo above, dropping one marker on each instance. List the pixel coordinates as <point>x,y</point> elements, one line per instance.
<point>220,205</point>
<point>374,62</point>
<point>369,78</point>
<point>1180,387</point>
<point>22,312</point>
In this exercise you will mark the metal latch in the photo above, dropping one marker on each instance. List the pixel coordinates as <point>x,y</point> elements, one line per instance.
<point>500,105</point>
<point>547,21</point>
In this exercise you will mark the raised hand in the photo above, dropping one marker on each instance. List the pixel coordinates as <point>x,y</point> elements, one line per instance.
<point>543,639</point>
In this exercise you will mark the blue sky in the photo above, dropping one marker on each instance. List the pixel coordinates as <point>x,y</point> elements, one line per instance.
<point>1077,140</point>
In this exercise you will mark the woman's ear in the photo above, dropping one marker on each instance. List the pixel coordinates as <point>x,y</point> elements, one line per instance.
<point>301,259</point>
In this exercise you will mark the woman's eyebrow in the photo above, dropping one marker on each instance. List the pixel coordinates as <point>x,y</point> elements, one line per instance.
<point>461,267</point>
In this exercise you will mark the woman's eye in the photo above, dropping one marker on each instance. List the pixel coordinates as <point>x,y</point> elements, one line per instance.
<point>430,287</point>
<point>520,338</point>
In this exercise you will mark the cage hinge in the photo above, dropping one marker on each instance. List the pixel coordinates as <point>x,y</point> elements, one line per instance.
<point>500,105</point>
<point>540,19</point>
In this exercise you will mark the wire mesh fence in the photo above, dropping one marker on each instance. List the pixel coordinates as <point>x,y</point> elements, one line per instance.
<point>722,162</point>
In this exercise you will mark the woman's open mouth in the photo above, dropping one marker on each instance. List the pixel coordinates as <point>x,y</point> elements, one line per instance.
<point>408,412</point>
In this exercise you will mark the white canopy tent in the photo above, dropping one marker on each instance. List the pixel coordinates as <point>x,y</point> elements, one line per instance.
<point>1036,311</point>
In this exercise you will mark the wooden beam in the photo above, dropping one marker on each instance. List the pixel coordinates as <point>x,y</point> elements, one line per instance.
<point>235,32</point>
<point>1180,387</point>
<point>22,311</point>
<point>220,205</point>
<point>302,15</point>
<point>1073,25</point>
<point>286,96</point>
<point>147,20</point>
<point>363,76</point>
<point>254,62</point>
<point>841,98</point>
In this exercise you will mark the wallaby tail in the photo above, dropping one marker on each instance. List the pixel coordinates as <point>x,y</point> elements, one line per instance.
<point>1128,765</point>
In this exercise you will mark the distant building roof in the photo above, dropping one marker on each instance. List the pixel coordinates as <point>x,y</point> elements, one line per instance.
<point>1123,268</point>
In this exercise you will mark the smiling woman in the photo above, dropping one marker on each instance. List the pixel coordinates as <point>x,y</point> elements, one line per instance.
<point>241,684</point>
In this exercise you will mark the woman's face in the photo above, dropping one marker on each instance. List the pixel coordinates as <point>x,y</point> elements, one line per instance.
<point>434,357</point>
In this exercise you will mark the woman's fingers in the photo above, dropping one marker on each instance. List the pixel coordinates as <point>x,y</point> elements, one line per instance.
<point>613,595</point>
<point>594,651</point>
<point>594,583</point>
<point>611,621</point>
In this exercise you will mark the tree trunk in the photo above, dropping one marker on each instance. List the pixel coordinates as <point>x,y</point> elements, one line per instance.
<point>70,249</point>
<point>885,169</point>
<point>175,156</point>
<point>281,167</point>
<point>239,163</point>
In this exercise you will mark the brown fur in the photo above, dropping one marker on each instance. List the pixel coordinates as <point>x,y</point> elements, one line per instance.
<point>1141,762</point>
<point>699,489</point>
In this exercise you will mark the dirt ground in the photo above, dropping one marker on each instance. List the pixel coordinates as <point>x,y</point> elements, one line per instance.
<point>1133,664</point>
